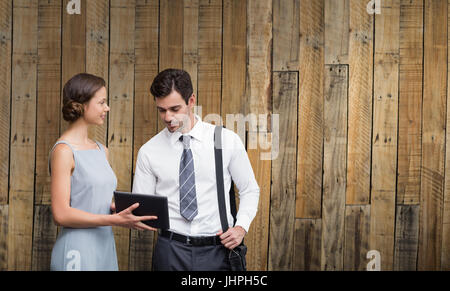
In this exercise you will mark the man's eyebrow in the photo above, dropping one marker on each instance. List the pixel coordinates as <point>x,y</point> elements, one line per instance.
<point>173,107</point>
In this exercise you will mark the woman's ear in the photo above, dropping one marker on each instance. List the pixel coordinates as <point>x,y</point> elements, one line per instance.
<point>85,106</point>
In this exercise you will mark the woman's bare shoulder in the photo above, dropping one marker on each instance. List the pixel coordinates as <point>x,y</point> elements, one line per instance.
<point>62,152</point>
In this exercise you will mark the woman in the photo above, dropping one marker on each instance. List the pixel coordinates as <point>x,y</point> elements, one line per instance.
<point>82,184</point>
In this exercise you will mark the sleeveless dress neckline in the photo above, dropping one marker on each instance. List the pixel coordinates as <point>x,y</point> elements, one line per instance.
<point>98,148</point>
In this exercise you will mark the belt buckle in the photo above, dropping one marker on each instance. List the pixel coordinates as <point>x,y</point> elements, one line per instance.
<point>188,240</point>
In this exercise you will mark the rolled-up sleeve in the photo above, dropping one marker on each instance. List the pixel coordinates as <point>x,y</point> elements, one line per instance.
<point>243,176</point>
<point>144,180</point>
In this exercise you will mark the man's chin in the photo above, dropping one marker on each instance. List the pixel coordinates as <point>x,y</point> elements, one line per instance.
<point>172,129</point>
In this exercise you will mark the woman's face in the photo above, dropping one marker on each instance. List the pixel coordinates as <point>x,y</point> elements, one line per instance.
<point>95,110</point>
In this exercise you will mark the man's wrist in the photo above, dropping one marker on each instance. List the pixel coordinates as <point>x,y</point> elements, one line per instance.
<point>241,229</point>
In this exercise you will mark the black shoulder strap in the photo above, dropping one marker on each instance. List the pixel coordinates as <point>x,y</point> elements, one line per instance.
<point>220,183</point>
<point>219,177</point>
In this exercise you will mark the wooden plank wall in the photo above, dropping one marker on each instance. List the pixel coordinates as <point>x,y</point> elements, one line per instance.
<point>350,145</point>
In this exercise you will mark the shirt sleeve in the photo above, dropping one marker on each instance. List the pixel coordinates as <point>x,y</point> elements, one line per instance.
<point>144,180</point>
<point>242,174</point>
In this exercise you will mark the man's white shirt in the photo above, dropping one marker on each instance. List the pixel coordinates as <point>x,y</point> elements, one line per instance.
<point>157,173</point>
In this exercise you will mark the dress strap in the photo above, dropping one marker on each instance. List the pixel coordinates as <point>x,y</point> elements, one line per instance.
<point>100,146</point>
<point>50,154</point>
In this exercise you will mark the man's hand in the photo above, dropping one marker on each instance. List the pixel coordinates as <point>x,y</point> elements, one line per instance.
<point>233,237</point>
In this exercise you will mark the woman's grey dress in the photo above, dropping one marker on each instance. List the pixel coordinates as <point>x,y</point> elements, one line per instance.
<point>91,189</point>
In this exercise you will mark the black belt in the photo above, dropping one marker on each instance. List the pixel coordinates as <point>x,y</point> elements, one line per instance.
<point>192,240</point>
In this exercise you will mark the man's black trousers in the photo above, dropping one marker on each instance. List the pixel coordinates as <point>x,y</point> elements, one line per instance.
<point>172,255</point>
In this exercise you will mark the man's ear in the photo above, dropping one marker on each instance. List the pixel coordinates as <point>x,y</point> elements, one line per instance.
<point>191,102</point>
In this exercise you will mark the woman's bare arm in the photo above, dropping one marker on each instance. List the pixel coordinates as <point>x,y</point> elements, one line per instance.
<point>62,164</point>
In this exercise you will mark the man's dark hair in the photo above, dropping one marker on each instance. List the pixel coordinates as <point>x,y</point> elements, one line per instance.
<point>172,79</point>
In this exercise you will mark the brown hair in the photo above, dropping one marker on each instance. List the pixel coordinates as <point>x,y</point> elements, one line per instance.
<point>172,79</point>
<point>77,91</point>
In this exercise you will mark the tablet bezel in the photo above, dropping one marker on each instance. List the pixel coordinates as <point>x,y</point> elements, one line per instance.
<point>149,205</point>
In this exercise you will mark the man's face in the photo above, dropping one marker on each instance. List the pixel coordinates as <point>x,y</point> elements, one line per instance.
<point>174,111</point>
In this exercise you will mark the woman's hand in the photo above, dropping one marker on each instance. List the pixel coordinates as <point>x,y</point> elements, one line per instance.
<point>126,218</point>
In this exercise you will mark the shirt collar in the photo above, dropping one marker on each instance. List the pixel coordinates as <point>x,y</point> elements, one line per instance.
<point>196,132</point>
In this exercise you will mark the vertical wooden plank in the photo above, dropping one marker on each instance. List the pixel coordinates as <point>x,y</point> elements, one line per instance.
<point>384,144</point>
<point>356,244</point>
<point>259,77</point>
<point>145,115</point>
<point>170,38</point>
<point>171,34</point>
<point>433,137</point>
<point>259,67</point>
<point>5,95</point>
<point>410,102</point>
<point>310,128</point>
<point>48,108</point>
<point>445,264</point>
<point>44,237</point>
<point>49,92</point>
<point>141,250</point>
<point>282,207</point>
<point>146,69</point>
<point>4,237</point>
<point>406,238</point>
<point>446,229</point>
<point>190,40</point>
<point>336,31</point>
<point>121,102</point>
<point>73,47</point>
<point>334,166</point>
<point>97,51</point>
<point>210,56</point>
<point>360,103</point>
<point>286,35</point>
<point>23,134</point>
<point>257,238</point>
<point>307,244</point>
<point>234,63</point>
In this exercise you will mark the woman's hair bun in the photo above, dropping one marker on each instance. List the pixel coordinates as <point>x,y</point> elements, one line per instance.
<point>72,111</point>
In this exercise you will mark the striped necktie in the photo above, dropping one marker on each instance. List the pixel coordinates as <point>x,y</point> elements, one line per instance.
<point>188,199</point>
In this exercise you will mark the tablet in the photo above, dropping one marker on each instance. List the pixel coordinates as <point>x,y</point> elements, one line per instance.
<point>148,205</point>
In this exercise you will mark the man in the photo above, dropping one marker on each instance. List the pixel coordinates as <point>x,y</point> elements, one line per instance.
<point>179,163</point>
